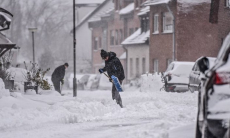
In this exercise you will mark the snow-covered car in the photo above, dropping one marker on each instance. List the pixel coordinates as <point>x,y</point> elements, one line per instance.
<point>214,99</point>
<point>176,77</point>
<point>195,75</point>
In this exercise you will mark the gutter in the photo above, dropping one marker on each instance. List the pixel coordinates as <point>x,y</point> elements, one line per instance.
<point>174,41</point>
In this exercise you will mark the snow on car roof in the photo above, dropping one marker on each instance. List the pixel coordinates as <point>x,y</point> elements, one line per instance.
<point>128,9</point>
<point>181,67</point>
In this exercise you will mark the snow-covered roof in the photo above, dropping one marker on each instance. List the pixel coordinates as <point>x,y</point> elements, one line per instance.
<point>144,11</point>
<point>137,38</point>
<point>193,2</point>
<point>156,2</point>
<point>123,56</point>
<point>128,9</point>
<point>6,17</point>
<point>89,1</point>
<point>4,39</point>
<point>102,14</point>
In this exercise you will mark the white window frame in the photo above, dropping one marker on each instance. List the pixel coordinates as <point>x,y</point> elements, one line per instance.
<point>156,24</point>
<point>166,30</point>
<point>228,3</point>
<point>155,65</point>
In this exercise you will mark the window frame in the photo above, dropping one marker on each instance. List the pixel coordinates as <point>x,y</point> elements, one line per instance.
<point>155,65</point>
<point>156,24</point>
<point>95,43</point>
<point>227,3</point>
<point>143,65</point>
<point>164,23</point>
<point>111,37</point>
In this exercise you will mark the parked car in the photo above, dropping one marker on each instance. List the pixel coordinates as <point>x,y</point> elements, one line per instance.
<point>176,77</point>
<point>195,75</point>
<point>213,115</point>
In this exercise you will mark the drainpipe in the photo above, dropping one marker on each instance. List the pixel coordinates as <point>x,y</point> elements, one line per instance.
<point>174,41</point>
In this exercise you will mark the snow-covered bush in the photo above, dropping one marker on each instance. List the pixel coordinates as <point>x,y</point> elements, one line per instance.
<point>36,76</point>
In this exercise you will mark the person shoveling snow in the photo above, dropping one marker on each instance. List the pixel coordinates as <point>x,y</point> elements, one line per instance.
<point>58,76</point>
<point>113,67</point>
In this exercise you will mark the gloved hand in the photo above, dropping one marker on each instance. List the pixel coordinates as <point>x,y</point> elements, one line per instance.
<point>101,70</point>
<point>62,81</point>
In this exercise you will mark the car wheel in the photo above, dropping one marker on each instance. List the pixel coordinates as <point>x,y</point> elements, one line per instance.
<point>207,133</point>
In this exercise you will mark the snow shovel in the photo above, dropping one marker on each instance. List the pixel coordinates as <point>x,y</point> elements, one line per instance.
<point>115,82</point>
<point>61,90</point>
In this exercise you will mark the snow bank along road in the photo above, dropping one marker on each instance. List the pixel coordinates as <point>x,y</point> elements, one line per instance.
<point>93,114</point>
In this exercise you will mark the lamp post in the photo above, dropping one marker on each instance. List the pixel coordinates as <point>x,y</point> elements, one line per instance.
<point>74,52</point>
<point>33,30</point>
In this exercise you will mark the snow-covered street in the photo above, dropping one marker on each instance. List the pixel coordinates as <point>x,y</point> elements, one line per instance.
<point>94,114</point>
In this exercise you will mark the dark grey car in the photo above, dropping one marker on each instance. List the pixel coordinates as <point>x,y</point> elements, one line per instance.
<point>195,75</point>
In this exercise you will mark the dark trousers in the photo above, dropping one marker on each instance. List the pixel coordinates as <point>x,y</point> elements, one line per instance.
<point>116,95</point>
<point>56,85</point>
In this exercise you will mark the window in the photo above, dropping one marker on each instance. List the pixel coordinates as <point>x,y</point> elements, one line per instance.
<point>99,44</point>
<point>167,22</point>
<point>120,4</point>
<point>156,23</point>
<point>131,67</point>
<point>111,37</point>
<point>104,39</point>
<point>145,24</point>
<point>143,66</point>
<point>155,65</point>
<point>116,37</point>
<point>95,43</point>
<point>227,3</point>
<point>116,4</point>
<point>130,31</point>
<point>137,3</point>
<point>121,35</point>
<point>137,67</point>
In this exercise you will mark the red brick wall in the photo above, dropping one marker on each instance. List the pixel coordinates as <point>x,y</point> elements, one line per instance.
<point>160,44</point>
<point>223,22</point>
<point>196,37</point>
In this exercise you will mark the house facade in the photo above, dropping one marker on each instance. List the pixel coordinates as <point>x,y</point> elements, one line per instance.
<point>137,47</point>
<point>219,15</point>
<point>111,27</point>
<point>194,36</point>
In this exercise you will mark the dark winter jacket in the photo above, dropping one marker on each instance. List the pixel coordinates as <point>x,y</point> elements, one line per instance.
<point>59,73</point>
<point>114,67</point>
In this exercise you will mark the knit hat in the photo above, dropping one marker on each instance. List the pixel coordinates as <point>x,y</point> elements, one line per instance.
<point>104,54</point>
<point>66,64</point>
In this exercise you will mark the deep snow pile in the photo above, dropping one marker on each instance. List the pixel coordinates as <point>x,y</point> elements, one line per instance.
<point>151,82</point>
<point>159,111</point>
<point>3,91</point>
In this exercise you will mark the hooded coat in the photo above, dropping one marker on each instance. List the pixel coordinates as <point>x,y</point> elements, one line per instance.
<point>59,73</point>
<point>114,67</point>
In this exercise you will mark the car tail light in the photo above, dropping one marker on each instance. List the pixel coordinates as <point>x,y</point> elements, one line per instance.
<point>222,78</point>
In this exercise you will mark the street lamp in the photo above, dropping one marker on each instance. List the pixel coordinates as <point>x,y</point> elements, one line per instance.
<point>32,29</point>
<point>74,52</point>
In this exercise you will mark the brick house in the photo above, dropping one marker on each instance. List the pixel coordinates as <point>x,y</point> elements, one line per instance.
<point>111,27</point>
<point>137,46</point>
<point>194,35</point>
<point>220,15</point>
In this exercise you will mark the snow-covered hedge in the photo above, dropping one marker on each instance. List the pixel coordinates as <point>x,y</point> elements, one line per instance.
<point>151,82</point>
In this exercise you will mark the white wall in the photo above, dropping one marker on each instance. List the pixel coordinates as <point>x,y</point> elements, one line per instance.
<point>84,36</point>
<point>134,52</point>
